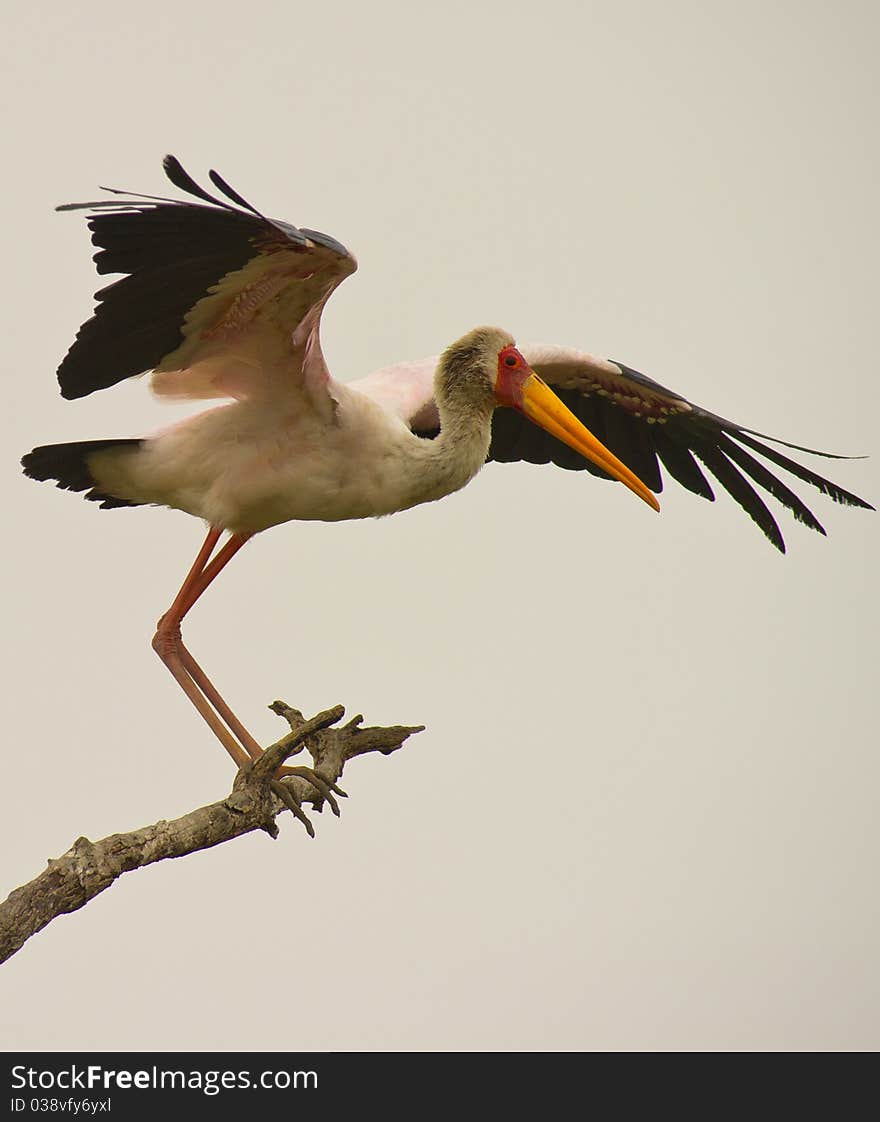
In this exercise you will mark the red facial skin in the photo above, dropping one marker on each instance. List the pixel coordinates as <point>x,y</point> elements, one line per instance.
<point>513,373</point>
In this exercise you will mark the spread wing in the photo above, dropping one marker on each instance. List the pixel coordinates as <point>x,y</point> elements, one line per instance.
<point>650,428</point>
<point>217,299</point>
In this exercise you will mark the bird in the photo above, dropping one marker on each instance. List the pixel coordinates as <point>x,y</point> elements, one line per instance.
<point>221,303</point>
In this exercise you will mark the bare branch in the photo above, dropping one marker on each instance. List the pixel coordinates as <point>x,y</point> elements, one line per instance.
<point>257,797</point>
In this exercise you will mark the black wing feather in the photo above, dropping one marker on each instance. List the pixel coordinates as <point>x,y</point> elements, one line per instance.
<point>182,179</point>
<point>513,438</point>
<point>149,238</point>
<point>832,490</point>
<point>138,321</point>
<point>588,410</point>
<point>766,479</point>
<point>625,437</point>
<point>680,463</point>
<point>736,485</point>
<point>230,193</point>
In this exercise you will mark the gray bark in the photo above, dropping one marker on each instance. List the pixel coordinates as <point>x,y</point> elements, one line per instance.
<point>257,797</point>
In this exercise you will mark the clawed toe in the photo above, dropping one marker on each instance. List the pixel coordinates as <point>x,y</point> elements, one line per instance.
<point>288,796</point>
<point>326,788</point>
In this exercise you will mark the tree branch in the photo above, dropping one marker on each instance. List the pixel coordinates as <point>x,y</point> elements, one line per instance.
<point>256,799</point>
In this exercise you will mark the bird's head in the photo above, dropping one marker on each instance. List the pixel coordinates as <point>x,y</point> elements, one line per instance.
<point>484,371</point>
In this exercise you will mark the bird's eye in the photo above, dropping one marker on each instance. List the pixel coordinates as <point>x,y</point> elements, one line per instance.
<point>510,360</point>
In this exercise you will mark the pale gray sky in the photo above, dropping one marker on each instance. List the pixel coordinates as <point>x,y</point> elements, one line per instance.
<point>644,813</point>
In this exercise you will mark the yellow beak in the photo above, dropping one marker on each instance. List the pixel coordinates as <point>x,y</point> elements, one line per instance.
<point>541,405</point>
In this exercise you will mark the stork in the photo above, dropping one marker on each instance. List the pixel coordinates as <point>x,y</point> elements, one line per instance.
<point>221,302</point>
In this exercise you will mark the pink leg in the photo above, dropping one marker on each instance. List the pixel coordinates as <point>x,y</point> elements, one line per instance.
<point>209,690</point>
<point>173,662</point>
<point>204,683</point>
<point>178,608</point>
<point>192,679</point>
<point>195,683</point>
<point>203,572</point>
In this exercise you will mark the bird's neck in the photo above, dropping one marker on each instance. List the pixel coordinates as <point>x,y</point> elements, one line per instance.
<point>458,453</point>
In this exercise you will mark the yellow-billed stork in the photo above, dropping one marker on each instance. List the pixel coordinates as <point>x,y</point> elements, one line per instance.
<point>221,302</point>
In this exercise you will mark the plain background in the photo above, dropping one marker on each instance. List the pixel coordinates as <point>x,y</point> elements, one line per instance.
<point>644,814</point>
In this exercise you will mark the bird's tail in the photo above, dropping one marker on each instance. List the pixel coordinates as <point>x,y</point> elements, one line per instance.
<point>68,465</point>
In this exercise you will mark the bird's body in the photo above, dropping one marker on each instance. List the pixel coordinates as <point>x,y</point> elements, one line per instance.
<point>248,465</point>
<point>221,302</point>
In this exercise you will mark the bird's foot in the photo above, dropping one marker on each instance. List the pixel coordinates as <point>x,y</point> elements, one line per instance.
<point>286,792</point>
<point>326,788</point>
